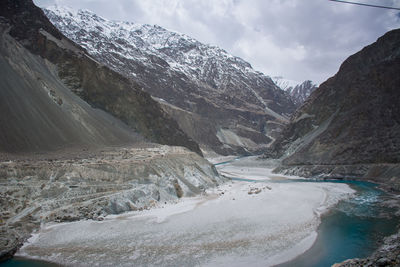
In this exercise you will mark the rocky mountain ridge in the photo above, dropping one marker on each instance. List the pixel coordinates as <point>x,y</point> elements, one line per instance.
<point>284,83</point>
<point>74,70</point>
<point>299,92</point>
<point>244,106</point>
<point>349,126</point>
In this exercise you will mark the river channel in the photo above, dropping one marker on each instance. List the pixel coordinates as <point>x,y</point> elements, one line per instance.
<point>235,228</point>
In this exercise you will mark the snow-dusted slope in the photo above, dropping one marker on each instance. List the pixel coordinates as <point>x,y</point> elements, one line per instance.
<point>298,91</point>
<point>302,91</point>
<point>181,52</point>
<point>195,77</point>
<point>285,84</point>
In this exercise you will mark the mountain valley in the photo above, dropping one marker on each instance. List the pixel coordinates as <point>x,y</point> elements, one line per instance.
<point>124,143</point>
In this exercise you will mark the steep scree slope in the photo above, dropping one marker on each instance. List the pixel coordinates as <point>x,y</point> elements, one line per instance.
<point>99,86</point>
<point>39,113</point>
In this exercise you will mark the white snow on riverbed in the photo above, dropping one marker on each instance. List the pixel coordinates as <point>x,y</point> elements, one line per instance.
<point>226,227</point>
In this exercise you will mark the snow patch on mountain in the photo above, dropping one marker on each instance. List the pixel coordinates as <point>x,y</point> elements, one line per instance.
<point>180,51</point>
<point>283,83</point>
<point>299,91</point>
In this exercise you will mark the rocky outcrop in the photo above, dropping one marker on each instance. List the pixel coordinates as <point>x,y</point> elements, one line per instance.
<point>71,67</point>
<point>352,120</point>
<point>91,186</point>
<point>204,81</point>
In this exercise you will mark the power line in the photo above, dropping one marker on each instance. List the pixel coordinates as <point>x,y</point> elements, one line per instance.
<point>362,4</point>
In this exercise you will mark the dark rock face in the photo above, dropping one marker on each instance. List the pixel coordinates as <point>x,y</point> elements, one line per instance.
<point>351,119</point>
<point>99,86</point>
<point>202,82</point>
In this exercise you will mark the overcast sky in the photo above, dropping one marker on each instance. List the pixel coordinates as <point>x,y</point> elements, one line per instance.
<point>297,39</point>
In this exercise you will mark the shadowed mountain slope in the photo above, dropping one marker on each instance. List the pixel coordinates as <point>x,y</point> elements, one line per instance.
<point>38,112</point>
<point>350,126</point>
<point>37,80</point>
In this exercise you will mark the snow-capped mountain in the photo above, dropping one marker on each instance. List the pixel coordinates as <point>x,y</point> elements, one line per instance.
<point>301,92</point>
<point>182,72</point>
<point>283,83</point>
<point>298,91</point>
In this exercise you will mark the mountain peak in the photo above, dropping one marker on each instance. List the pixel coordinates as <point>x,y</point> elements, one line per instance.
<point>179,50</point>
<point>64,10</point>
<point>299,91</point>
<point>284,83</point>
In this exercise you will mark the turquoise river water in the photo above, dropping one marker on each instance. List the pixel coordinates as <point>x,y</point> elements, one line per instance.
<point>353,229</point>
